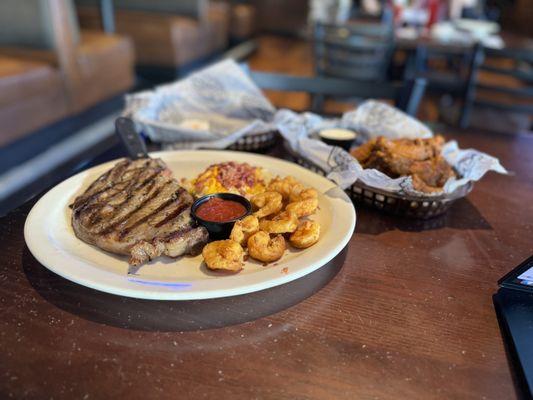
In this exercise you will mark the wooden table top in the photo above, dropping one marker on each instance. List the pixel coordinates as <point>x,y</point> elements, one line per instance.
<point>407,314</point>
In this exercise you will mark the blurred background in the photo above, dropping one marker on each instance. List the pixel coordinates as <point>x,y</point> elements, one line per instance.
<point>65,65</point>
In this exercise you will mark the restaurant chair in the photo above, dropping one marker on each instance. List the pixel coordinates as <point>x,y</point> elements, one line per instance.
<point>449,71</point>
<point>406,96</point>
<point>360,51</point>
<point>356,51</point>
<point>503,88</point>
<point>49,69</point>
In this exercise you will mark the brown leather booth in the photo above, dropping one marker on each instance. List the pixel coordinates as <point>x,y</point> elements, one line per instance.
<point>31,96</point>
<point>165,33</point>
<point>170,33</point>
<point>49,69</point>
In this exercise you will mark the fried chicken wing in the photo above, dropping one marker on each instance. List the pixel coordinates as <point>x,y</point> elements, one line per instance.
<point>419,158</point>
<point>364,151</point>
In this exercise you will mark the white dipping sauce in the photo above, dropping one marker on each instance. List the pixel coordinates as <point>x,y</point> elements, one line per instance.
<point>338,134</point>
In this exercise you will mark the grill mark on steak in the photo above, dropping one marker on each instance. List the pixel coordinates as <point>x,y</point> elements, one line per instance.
<point>136,208</point>
<point>99,185</point>
<point>134,223</point>
<point>149,230</point>
<point>102,213</point>
<point>113,187</point>
<point>135,201</point>
<point>131,187</point>
<point>106,181</point>
<point>154,219</point>
<point>138,181</point>
<point>98,208</point>
<point>108,193</point>
<point>166,196</point>
<point>171,216</point>
<point>177,234</point>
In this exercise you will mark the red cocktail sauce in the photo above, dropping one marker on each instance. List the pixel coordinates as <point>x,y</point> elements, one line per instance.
<point>219,210</point>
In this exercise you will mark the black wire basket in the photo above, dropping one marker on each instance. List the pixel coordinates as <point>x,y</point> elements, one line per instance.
<point>392,203</point>
<point>257,143</point>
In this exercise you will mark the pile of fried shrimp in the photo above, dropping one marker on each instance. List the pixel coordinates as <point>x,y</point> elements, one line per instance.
<point>279,216</point>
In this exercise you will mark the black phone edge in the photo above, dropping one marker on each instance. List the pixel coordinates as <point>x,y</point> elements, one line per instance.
<point>506,280</point>
<point>520,381</point>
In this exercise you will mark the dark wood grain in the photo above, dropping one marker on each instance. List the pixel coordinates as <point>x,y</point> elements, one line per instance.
<point>407,315</point>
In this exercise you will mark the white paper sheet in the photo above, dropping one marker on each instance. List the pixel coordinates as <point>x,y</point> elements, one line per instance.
<point>226,97</point>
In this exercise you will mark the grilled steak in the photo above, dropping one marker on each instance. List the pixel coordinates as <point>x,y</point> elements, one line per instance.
<point>137,208</point>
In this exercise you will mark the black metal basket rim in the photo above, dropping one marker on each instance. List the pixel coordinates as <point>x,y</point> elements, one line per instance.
<point>440,197</point>
<point>267,133</point>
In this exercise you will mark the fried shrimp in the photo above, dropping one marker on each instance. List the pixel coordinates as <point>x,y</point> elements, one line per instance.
<point>223,254</point>
<point>306,235</point>
<point>268,203</point>
<point>284,222</point>
<point>283,186</point>
<point>263,248</point>
<point>303,203</point>
<point>300,193</point>
<point>243,229</point>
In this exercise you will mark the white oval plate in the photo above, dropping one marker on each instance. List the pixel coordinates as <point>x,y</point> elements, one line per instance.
<point>50,238</point>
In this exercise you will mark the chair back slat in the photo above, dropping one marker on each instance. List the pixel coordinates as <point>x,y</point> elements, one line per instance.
<point>515,73</point>
<point>355,43</point>
<point>520,108</point>
<point>526,92</point>
<point>525,54</point>
<point>406,96</point>
<point>360,52</point>
<point>368,30</point>
<point>337,61</point>
<point>354,71</point>
<point>322,85</point>
<point>364,60</point>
